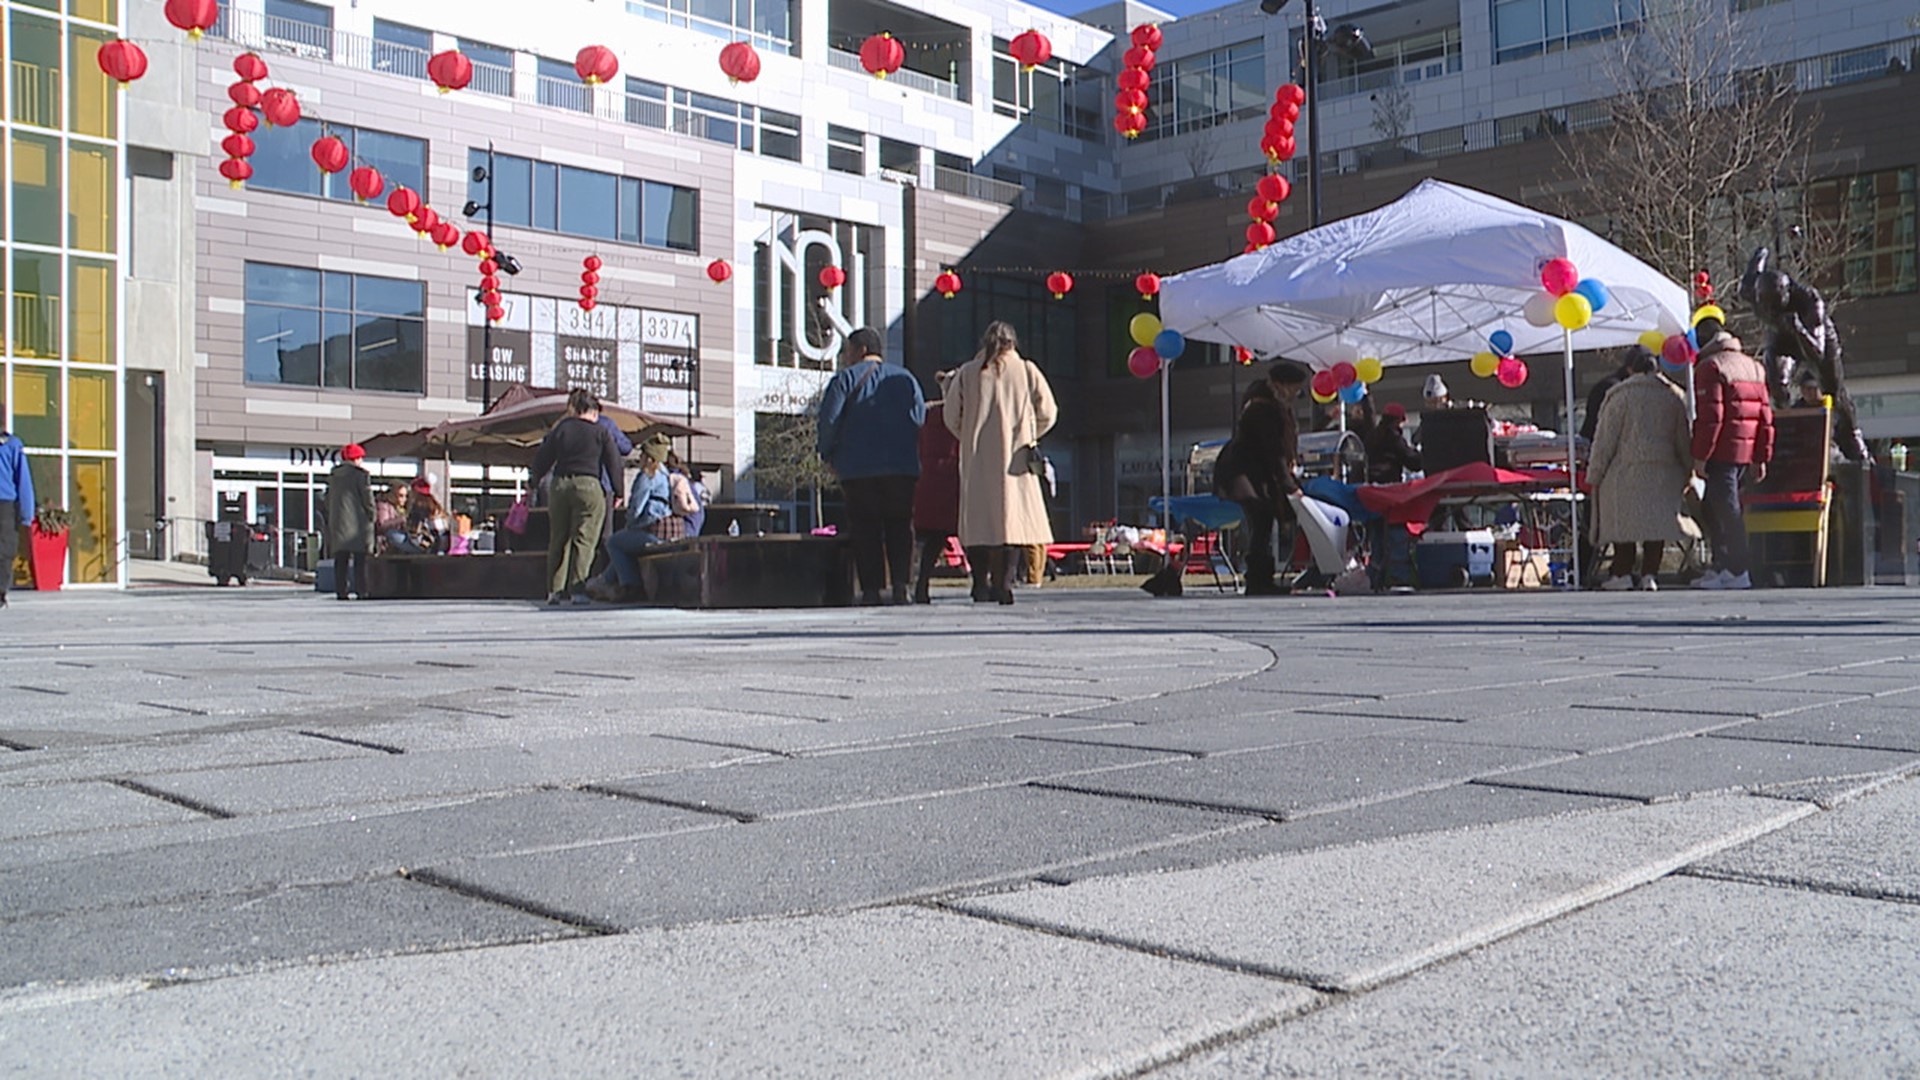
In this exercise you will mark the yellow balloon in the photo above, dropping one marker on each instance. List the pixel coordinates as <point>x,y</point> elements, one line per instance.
<point>1320,399</point>
<point>1653,341</point>
<point>1573,311</point>
<point>1144,328</point>
<point>1709,311</point>
<point>1484,364</point>
<point>1369,369</point>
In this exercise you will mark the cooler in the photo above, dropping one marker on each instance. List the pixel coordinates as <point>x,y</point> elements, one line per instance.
<point>1440,556</point>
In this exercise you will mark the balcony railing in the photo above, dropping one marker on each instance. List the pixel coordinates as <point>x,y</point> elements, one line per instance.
<point>983,188</point>
<point>908,77</point>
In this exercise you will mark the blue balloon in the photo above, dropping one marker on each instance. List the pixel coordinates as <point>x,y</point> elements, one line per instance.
<point>1693,339</point>
<point>1352,394</point>
<point>1502,343</point>
<point>1169,344</point>
<point>1594,291</point>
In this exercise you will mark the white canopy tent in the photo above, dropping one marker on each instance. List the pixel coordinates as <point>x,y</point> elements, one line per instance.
<point>1425,279</point>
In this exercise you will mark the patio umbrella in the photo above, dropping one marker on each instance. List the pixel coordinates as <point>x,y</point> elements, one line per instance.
<point>510,432</point>
<point>1425,279</point>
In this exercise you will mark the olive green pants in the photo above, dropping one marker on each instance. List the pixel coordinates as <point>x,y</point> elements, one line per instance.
<point>575,508</point>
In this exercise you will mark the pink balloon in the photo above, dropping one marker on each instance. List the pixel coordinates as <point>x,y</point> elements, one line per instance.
<point>1143,362</point>
<point>1559,276</point>
<point>1344,375</point>
<point>1678,351</point>
<point>1512,372</point>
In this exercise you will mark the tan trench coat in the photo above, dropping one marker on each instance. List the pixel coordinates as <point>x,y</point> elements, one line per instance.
<point>1642,461</point>
<point>995,410</point>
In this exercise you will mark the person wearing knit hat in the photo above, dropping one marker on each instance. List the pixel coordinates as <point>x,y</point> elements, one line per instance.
<point>657,510</point>
<point>1436,394</point>
<point>349,521</point>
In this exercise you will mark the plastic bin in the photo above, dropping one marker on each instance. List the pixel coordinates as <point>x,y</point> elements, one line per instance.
<point>1440,556</point>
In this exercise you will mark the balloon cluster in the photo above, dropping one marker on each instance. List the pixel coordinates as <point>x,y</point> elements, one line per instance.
<point>1498,362</point>
<point>1346,380</point>
<point>1158,346</point>
<point>1269,193</point>
<point>1136,74</point>
<point>1276,140</point>
<point>1569,301</point>
<point>1677,352</point>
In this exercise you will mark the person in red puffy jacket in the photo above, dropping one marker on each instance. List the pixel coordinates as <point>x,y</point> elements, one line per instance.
<point>936,501</point>
<point>1732,438</point>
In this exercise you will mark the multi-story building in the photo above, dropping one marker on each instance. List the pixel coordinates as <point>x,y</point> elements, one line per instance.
<point>217,343</point>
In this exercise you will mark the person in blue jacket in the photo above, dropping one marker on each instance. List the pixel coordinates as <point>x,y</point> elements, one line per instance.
<point>869,432</point>
<point>16,505</point>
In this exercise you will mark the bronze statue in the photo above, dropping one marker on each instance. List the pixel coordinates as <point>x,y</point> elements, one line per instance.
<point>1799,331</point>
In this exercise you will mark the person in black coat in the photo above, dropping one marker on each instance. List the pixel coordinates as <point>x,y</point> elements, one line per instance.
<point>1389,455</point>
<point>1258,466</point>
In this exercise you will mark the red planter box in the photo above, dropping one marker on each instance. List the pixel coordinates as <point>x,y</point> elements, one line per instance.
<point>47,552</point>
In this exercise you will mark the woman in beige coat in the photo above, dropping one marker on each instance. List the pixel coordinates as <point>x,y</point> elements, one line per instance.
<point>1642,463</point>
<point>999,405</point>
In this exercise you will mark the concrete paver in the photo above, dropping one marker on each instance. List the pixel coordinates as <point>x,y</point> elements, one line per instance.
<point>1698,766</point>
<point>1868,847</point>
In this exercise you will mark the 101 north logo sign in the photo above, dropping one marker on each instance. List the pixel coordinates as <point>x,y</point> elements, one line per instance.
<point>636,357</point>
<point>801,319</point>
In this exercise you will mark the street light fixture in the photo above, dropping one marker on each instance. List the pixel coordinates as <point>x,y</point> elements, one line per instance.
<point>1348,41</point>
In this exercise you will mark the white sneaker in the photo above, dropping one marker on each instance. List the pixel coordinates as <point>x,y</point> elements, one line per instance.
<point>1617,584</point>
<point>1712,579</point>
<point>1744,581</point>
<point>1647,584</point>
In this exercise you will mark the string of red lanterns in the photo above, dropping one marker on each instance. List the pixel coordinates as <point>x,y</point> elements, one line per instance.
<point>589,282</point>
<point>122,61</point>
<point>1276,141</point>
<point>1130,103</point>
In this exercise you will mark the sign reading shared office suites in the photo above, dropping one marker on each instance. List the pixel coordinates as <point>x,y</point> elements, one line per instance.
<point>638,357</point>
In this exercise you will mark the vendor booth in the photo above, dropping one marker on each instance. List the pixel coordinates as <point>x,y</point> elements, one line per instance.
<point>1440,275</point>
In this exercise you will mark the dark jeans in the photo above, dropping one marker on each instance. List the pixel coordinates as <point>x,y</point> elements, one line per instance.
<point>9,542</point>
<point>623,552</point>
<point>880,524</point>
<point>349,573</point>
<point>1260,561</point>
<point>1649,552</point>
<point>1726,522</point>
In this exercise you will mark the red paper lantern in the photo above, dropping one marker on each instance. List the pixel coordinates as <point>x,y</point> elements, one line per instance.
<point>250,67</point>
<point>740,62</point>
<point>244,94</point>
<point>881,55</point>
<point>1278,149</point>
<point>426,220</point>
<point>495,313</point>
<point>1147,36</point>
<point>123,61</point>
<point>1138,57</point>
<point>1281,110</point>
<point>240,121</point>
<point>588,292</point>
<point>237,146</point>
<point>280,107</point>
<point>236,171</point>
<point>366,182</point>
<point>1260,234</point>
<point>196,17</point>
<point>1148,284</point>
<point>1133,79</point>
<point>1130,124</point>
<point>403,203</point>
<point>1274,188</point>
<point>1292,94</point>
<point>596,64</point>
<point>1280,129</point>
<point>490,298</point>
<point>586,303</point>
<point>592,262</point>
<point>588,277</point>
<point>1259,209</point>
<point>1059,283</point>
<point>718,271</point>
<point>330,154</point>
<point>832,277</point>
<point>1243,354</point>
<point>445,235</point>
<point>474,244</point>
<point>947,284</point>
<point>488,268</point>
<point>490,282</point>
<point>1130,101</point>
<point>450,70</point>
<point>1031,49</point>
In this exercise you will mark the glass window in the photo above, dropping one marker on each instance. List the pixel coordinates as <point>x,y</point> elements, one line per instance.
<point>588,203</point>
<point>100,11</point>
<point>269,284</point>
<point>336,350</point>
<point>846,150</point>
<point>91,197</point>
<point>36,83</point>
<point>91,540</point>
<point>358,332</point>
<point>384,296</point>
<point>90,336</point>
<point>899,156</point>
<point>779,135</point>
<point>400,158</point>
<point>560,86</point>
<point>546,195</point>
<point>388,354</point>
<point>36,189</point>
<point>669,217</point>
<point>646,103</point>
<point>283,345</point>
<point>94,98</point>
<point>629,210</point>
<point>36,305</point>
<point>90,416</point>
<point>512,187</point>
<point>400,49</point>
<point>36,406</point>
<point>281,160</point>
<point>492,68</point>
<point>1195,93</point>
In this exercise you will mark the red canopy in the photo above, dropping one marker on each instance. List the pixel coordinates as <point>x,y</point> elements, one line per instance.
<point>1414,502</point>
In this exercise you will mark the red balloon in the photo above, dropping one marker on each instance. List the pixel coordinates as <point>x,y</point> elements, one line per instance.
<point>947,284</point>
<point>592,262</point>
<point>450,70</point>
<point>1678,351</point>
<point>1147,36</point>
<point>330,154</point>
<point>1259,209</point>
<point>1260,234</point>
<point>123,61</point>
<point>237,146</point>
<point>236,171</point>
<point>1133,79</point>
<point>250,67</point>
<point>280,107</point>
<point>244,94</point>
<point>718,271</point>
<point>1059,283</point>
<point>1559,276</point>
<point>596,64</point>
<point>881,55</point>
<point>196,17</point>
<point>1031,49</point>
<point>1143,362</point>
<point>1324,384</point>
<point>739,62</point>
<point>1512,372</point>
<point>366,182</point>
<point>1130,101</point>
<point>1138,57</point>
<point>1344,375</point>
<point>832,277</point>
<point>1148,284</point>
<point>1274,188</point>
<point>403,202</point>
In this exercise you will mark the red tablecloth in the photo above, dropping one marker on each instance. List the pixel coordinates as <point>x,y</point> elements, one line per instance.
<point>1412,503</point>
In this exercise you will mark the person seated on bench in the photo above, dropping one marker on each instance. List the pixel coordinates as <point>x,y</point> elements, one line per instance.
<point>390,523</point>
<point>657,511</point>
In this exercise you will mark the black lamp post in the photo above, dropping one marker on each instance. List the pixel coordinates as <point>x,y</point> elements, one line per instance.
<point>483,174</point>
<point>1349,41</point>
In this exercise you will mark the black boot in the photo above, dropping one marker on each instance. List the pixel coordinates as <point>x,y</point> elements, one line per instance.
<point>1000,580</point>
<point>979,561</point>
<point>1260,575</point>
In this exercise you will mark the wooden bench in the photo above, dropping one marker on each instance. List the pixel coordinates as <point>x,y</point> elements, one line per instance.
<point>506,576</point>
<point>786,571</point>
